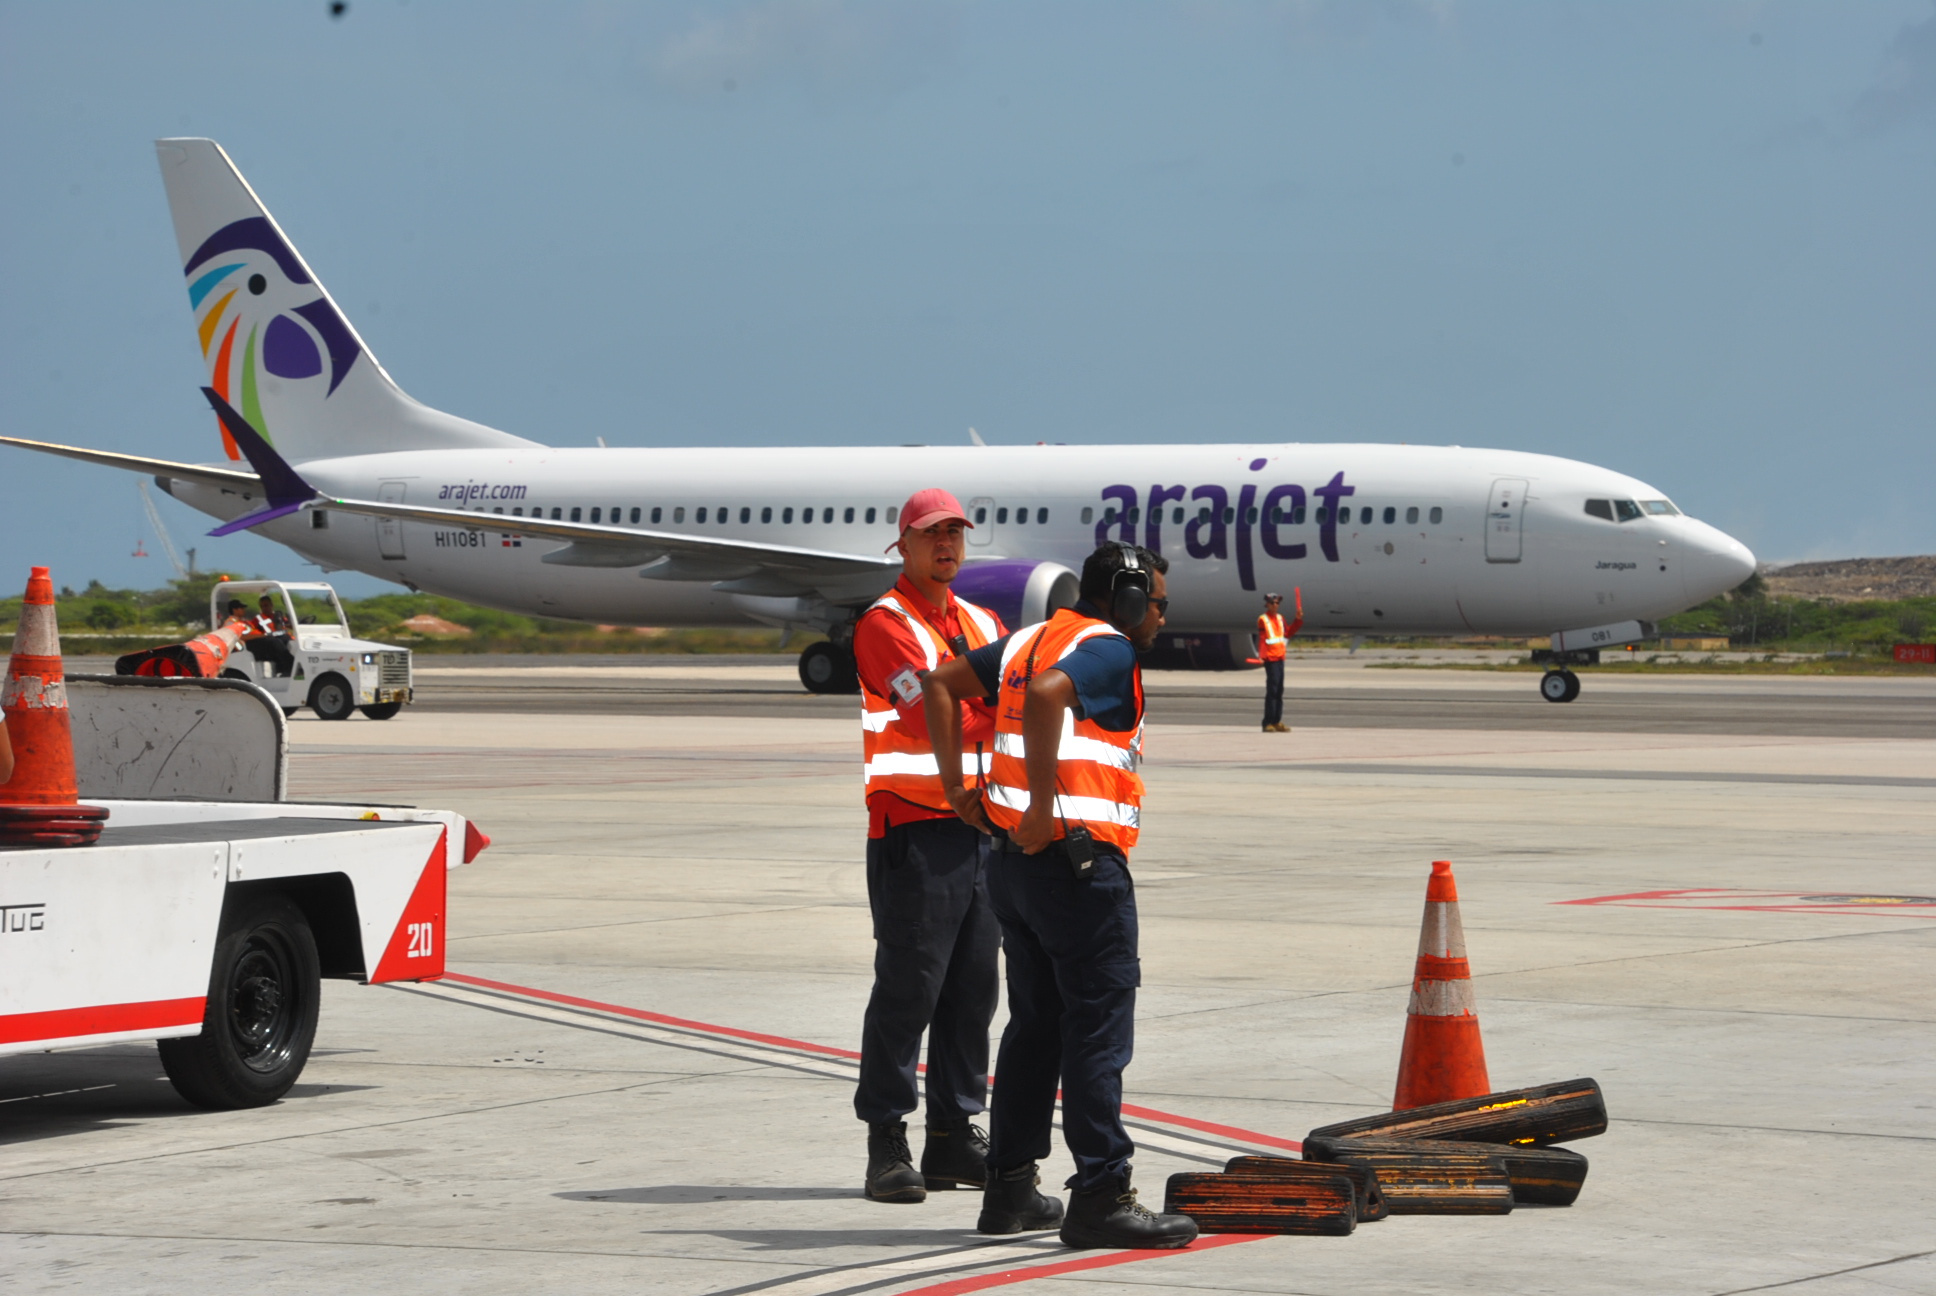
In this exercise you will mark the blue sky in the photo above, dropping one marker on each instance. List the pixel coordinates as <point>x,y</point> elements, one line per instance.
<point>1690,241</point>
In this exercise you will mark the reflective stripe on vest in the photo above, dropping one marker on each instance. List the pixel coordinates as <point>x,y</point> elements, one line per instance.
<point>1273,636</point>
<point>894,759</point>
<point>1096,779</point>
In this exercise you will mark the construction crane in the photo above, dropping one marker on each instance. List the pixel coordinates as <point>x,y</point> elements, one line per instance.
<point>161,532</point>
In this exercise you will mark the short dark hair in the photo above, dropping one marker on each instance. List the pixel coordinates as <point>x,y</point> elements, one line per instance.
<point>235,603</point>
<point>1100,568</point>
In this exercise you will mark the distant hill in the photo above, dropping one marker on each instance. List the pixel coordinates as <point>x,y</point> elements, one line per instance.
<point>1851,580</point>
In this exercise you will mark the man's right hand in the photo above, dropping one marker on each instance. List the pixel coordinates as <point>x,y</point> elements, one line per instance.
<point>966,802</point>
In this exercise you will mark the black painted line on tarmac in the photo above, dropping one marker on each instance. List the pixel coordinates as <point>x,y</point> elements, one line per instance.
<point>1833,1273</point>
<point>1641,776</point>
<point>390,1246</point>
<point>1782,1129</point>
<point>778,1063</point>
<point>759,1059</point>
<point>893,1280</point>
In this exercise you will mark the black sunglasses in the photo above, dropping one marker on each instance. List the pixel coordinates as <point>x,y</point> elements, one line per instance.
<point>1161,605</point>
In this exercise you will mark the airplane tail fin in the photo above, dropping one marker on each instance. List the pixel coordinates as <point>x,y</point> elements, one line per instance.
<point>276,345</point>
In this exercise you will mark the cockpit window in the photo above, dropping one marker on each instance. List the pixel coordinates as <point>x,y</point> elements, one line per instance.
<point>1660,508</point>
<point>1625,510</point>
<point>1602,509</point>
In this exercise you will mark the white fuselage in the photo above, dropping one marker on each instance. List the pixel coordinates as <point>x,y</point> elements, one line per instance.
<point>1547,565</point>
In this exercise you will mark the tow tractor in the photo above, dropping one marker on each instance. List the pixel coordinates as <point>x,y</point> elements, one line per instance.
<point>210,908</point>
<point>333,673</point>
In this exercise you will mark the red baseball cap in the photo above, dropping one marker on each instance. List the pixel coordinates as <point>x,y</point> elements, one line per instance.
<point>924,508</point>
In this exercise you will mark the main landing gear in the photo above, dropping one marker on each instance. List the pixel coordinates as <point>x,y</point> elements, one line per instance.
<point>1559,684</point>
<point>828,667</point>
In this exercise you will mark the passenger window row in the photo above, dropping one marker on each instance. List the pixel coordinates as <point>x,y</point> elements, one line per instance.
<point>1280,516</point>
<point>619,516</point>
<point>1629,510</point>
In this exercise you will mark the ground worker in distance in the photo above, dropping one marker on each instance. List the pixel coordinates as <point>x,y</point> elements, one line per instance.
<point>258,632</point>
<point>935,937</point>
<point>1271,643</point>
<point>1063,798</point>
<point>272,645</point>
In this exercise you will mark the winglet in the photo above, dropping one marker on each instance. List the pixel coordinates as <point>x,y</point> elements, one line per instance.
<point>282,485</point>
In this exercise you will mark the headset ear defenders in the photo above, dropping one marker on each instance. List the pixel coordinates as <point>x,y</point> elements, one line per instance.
<point>1129,591</point>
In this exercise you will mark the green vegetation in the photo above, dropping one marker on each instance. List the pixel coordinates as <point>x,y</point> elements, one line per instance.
<point>1751,619</point>
<point>1858,635</point>
<point>102,620</point>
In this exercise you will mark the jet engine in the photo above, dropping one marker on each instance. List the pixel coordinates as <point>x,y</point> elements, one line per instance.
<point>1019,590</point>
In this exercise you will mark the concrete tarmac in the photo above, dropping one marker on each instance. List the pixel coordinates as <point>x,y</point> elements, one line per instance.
<point>1328,691</point>
<point>638,1081</point>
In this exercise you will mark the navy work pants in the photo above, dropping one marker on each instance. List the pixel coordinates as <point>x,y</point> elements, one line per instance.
<point>935,946</point>
<point>1274,692</point>
<point>1072,978</point>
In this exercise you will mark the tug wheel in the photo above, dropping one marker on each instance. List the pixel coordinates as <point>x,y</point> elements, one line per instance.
<point>264,996</point>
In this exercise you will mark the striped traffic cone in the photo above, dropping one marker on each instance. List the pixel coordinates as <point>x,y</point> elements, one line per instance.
<point>1443,1058</point>
<point>38,803</point>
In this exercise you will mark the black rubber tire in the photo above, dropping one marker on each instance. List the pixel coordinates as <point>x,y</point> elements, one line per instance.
<point>332,698</point>
<point>264,997</point>
<point>232,673</point>
<point>381,710</point>
<point>825,668</point>
<point>1559,686</point>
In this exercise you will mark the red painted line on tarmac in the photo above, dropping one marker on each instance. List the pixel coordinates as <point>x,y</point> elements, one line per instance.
<point>1009,1277</point>
<point>826,1050</point>
<point>100,1019</point>
<point>661,1019</point>
<point>1211,1127</point>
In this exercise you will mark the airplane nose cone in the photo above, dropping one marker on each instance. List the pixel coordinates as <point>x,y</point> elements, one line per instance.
<point>1716,564</point>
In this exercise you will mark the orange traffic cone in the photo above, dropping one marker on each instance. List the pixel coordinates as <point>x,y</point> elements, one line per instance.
<point>1443,1058</point>
<point>38,803</point>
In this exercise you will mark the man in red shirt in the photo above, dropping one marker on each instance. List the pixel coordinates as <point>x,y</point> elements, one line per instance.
<point>935,937</point>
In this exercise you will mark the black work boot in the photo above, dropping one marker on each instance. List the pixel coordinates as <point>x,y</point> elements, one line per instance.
<point>1110,1216</point>
<point>956,1156</point>
<point>891,1176</point>
<point>1011,1203</point>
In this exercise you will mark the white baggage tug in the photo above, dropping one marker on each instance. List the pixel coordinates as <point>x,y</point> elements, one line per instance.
<point>210,909</point>
<point>334,672</point>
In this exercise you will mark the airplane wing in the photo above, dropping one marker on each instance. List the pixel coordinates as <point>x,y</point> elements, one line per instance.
<point>142,464</point>
<point>734,566</point>
<point>590,544</point>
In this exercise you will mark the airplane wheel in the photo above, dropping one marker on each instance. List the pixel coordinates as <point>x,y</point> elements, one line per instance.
<point>826,669</point>
<point>1559,686</point>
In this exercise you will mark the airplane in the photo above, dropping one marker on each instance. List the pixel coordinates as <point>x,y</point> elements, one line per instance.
<point>327,456</point>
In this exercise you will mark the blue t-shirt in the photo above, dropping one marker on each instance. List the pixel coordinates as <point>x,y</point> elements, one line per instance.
<point>1102,667</point>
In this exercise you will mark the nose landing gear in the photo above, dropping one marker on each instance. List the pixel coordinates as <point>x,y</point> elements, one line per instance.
<point>1559,684</point>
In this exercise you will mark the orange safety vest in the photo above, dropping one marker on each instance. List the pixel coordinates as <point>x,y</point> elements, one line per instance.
<point>1095,778</point>
<point>895,758</point>
<point>1271,638</point>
